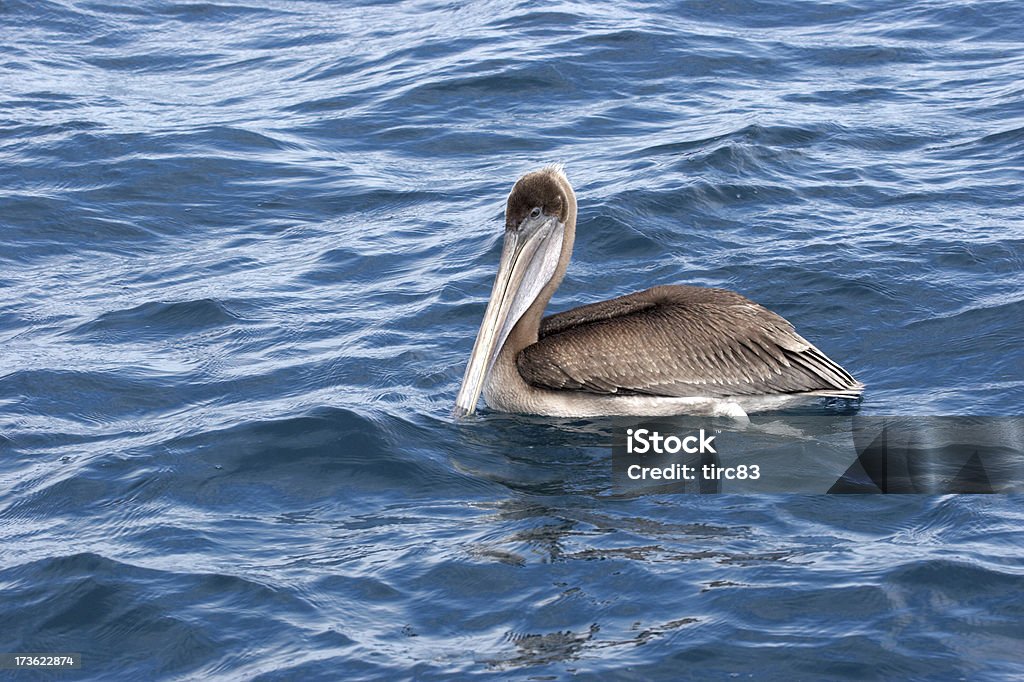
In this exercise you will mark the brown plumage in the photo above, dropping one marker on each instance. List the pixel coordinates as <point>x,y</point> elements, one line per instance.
<point>677,341</point>
<point>535,190</point>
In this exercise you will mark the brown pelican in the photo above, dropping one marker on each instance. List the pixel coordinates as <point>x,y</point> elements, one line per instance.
<point>666,350</point>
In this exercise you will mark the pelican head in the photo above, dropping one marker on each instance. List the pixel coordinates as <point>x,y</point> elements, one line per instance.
<point>540,220</point>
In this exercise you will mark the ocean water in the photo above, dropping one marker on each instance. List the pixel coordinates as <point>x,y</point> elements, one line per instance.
<point>244,250</point>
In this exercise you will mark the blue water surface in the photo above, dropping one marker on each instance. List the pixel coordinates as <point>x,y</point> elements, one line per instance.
<point>244,250</point>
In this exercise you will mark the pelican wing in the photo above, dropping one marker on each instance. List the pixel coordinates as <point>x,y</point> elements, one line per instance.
<point>678,341</point>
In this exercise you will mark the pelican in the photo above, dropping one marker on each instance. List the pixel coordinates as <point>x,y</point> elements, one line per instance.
<point>667,350</point>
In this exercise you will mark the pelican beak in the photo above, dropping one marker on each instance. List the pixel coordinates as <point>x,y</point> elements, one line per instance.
<point>529,259</point>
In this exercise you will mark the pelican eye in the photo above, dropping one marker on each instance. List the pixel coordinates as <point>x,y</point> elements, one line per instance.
<point>535,213</point>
